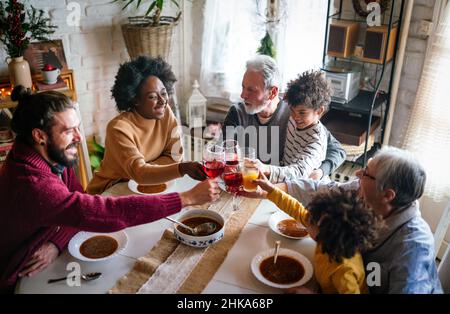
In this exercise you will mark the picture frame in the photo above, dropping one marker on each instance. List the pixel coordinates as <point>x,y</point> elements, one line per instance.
<point>41,53</point>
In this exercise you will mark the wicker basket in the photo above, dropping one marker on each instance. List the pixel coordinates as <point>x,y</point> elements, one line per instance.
<point>143,39</point>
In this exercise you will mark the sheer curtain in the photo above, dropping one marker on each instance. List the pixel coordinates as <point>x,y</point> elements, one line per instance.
<point>232,33</point>
<point>300,42</point>
<point>428,132</point>
<point>229,39</point>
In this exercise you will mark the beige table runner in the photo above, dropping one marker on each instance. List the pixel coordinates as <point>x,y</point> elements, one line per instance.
<point>171,267</point>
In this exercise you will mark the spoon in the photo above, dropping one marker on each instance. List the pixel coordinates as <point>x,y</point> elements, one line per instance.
<point>277,249</point>
<point>86,277</point>
<point>206,227</point>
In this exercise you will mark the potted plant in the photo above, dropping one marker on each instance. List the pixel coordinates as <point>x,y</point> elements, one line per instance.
<point>18,26</point>
<point>150,34</point>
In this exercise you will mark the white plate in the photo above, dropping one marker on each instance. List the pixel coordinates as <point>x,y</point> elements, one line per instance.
<point>275,218</point>
<point>78,239</point>
<point>132,185</point>
<point>257,260</point>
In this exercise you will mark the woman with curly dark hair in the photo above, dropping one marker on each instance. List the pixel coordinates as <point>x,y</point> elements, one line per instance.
<point>142,142</point>
<point>342,225</point>
<point>305,148</point>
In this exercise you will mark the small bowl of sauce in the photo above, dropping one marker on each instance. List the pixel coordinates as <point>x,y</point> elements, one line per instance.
<point>286,226</point>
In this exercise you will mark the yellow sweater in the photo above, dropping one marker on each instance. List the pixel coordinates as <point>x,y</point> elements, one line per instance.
<point>140,149</point>
<point>344,277</point>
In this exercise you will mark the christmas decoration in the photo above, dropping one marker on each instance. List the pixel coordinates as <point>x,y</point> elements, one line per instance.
<point>18,26</point>
<point>48,67</point>
<point>267,47</point>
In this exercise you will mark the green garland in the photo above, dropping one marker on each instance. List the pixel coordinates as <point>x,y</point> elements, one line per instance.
<point>363,12</point>
<point>19,26</point>
<point>267,47</point>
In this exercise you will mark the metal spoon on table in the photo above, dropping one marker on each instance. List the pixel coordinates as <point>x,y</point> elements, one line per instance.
<point>277,249</point>
<point>206,227</point>
<point>85,277</point>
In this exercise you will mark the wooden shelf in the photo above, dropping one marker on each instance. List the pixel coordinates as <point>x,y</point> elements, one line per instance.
<point>361,103</point>
<point>67,76</point>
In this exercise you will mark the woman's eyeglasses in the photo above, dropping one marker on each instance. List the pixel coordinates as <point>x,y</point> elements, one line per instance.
<point>365,174</point>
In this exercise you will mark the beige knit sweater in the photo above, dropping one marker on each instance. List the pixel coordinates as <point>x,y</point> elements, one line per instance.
<point>141,149</point>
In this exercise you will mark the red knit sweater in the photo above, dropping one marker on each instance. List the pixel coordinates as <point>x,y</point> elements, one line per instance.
<point>36,206</point>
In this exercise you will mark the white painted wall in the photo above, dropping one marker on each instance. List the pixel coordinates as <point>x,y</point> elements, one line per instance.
<point>94,50</point>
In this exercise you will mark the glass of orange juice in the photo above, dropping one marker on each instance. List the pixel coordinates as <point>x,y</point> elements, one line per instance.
<point>249,169</point>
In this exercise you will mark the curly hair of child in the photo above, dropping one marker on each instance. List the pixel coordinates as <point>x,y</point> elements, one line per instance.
<point>346,224</point>
<point>311,89</point>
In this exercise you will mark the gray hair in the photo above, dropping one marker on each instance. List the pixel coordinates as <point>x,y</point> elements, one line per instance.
<point>268,67</point>
<point>397,169</point>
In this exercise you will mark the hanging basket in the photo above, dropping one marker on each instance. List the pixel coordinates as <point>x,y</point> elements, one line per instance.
<point>143,39</point>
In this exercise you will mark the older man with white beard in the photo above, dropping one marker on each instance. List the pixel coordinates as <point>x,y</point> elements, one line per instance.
<point>263,117</point>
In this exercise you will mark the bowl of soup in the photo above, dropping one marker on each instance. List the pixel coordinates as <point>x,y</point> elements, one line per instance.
<point>195,217</point>
<point>94,246</point>
<point>292,269</point>
<point>284,225</point>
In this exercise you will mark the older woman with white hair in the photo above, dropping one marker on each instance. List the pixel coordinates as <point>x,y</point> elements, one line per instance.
<point>402,258</point>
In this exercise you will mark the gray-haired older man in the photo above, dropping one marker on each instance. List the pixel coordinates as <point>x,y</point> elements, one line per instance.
<point>263,118</point>
<point>402,259</point>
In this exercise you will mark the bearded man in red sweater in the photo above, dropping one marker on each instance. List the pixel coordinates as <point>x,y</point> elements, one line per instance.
<point>42,204</point>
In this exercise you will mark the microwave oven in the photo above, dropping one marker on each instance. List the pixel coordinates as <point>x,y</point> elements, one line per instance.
<point>344,82</point>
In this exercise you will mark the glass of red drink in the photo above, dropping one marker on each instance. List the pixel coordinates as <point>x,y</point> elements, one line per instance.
<point>232,176</point>
<point>213,160</point>
<point>231,148</point>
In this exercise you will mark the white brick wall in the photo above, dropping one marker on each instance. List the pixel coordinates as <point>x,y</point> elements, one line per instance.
<point>94,50</point>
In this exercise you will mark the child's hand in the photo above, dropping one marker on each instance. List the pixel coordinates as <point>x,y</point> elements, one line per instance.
<point>264,183</point>
<point>261,167</point>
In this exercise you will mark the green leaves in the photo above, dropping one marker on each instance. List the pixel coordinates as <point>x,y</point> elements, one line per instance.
<point>96,153</point>
<point>155,7</point>
<point>267,47</point>
<point>19,26</point>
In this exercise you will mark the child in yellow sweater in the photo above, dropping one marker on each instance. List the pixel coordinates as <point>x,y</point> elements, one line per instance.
<point>342,226</point>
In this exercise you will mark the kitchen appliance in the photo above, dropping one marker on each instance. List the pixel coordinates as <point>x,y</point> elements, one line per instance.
<point>344,78</point>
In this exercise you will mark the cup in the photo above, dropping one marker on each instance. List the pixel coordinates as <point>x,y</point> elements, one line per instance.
<point>51,76</point>
<point>250,170</point>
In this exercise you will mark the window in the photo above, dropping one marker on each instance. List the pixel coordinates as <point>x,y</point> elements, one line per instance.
<point>428,133</point>
<point>232,33</point>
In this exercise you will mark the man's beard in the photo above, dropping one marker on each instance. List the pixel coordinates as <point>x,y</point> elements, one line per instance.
<point>57,155</point>
<point>254,110</point>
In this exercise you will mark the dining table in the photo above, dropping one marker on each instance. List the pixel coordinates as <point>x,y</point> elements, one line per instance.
<point>233,274</point>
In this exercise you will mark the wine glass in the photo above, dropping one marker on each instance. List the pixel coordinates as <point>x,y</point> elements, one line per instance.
<point>232,177</point>
<point>232,151</point>
<point>213,160</point>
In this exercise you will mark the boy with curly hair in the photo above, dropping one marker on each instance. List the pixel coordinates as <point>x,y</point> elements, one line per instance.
<point>305,148</point>
<point>342,225</point>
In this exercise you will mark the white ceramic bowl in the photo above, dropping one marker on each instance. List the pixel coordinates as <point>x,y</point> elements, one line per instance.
<point>78,239</point>
<point>260,257</point>
<point>275,218</point>
<point>196,241</point>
